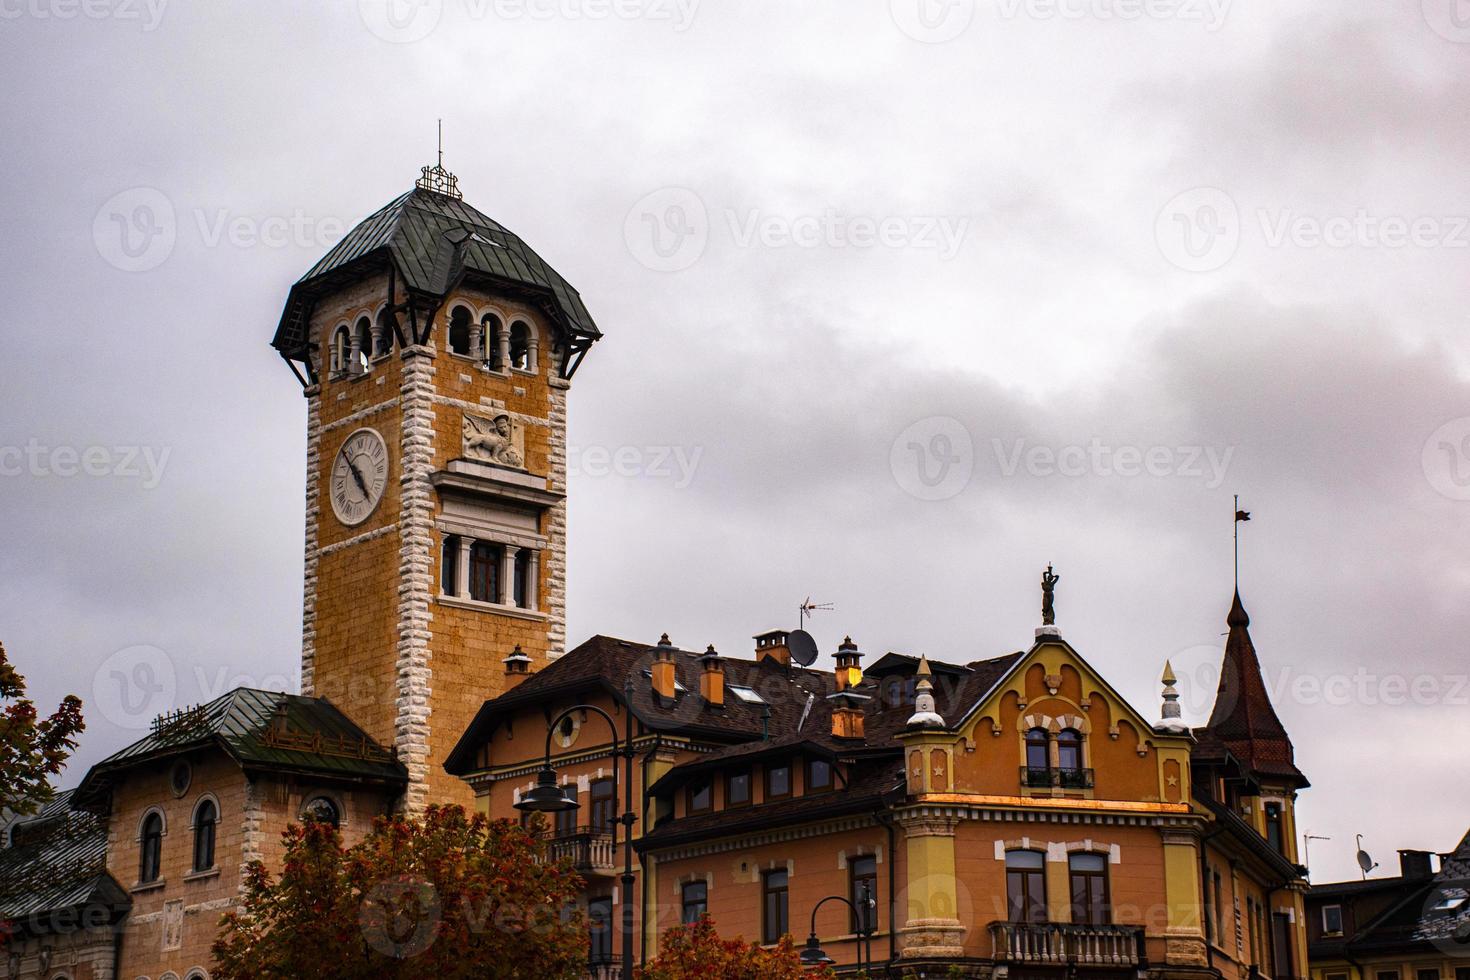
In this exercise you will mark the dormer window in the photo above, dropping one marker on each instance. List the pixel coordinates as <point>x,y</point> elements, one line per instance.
<point>778,781</point>
<point>818,775</point>
<point>737,788</point>
<point>701,797</point>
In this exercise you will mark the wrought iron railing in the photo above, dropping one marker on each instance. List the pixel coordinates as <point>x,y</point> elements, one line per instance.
<point>1066,944</point>
<point>1032,776</point>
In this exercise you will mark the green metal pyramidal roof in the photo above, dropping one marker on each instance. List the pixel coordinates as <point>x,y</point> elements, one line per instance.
<point>260,730</point>
<point>433,241</point>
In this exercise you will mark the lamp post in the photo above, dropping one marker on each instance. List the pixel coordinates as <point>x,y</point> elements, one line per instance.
<point>813,955</point>
<point>547,797</point>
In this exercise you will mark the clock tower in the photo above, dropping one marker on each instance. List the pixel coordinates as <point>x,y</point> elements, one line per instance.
<point>435,350</point>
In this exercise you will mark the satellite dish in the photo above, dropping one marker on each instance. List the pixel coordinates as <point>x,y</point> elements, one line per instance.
<point>1365,862</point>
<point>803,647</point>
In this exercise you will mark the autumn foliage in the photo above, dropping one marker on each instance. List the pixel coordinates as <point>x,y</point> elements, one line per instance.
<point>32,749</point>
<point>450,896</point>
<point>696,952</point>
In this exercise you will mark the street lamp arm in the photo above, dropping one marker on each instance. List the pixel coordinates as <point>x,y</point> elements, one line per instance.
<point>551,728</point>
<point>833,898</point>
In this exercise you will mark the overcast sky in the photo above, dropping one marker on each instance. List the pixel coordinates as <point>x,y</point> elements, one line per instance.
<point>901,302</point>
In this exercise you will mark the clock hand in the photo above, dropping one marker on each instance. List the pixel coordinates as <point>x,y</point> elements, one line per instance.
<point>357,476</point>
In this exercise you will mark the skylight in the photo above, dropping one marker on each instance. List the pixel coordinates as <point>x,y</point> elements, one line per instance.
<point>746,694</point>
<point>1449,903</point>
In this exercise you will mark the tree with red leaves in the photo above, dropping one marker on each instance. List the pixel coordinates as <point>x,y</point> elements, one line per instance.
<point>32,750</point>
<point>696,952</point>
<point>449,896</point>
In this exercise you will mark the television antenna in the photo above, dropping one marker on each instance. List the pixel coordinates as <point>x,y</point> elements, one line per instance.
<point>1365,862</point>
<point>1307,839</point>
<point>808,607</point>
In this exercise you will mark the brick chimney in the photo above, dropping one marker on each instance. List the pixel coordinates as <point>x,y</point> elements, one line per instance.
<point>663,669</point>
<point>712,681</point>
<point>517,667</point>
<point>773,645</point>
<point>847,714</point>
<point>1416,864</point>
<point>849,665</point>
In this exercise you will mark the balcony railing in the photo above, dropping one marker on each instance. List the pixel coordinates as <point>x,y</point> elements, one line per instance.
<point>602,966</point>
<point>1064,778</point>
<point>1064,944</point>
<point>590,851</point>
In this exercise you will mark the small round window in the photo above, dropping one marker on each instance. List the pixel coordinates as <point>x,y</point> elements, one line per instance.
<point>179,777</point>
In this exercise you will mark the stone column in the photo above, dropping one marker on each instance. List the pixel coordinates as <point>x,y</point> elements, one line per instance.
<point>462,572</point>
<point>933,928</point>
<point>354,351</point>
<point>508,575</point>
<point>504,346</point>
<point>533,576</point>
<point>1184,944</point>
<point>312,559</point>
<point>475,350</point>
<point>533,352</point>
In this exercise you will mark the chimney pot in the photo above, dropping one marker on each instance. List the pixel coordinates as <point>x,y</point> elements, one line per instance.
<point>712,681</point>
<point>773,645</point>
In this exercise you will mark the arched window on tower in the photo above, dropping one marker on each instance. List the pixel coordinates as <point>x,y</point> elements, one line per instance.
<point>206,817</point>
<point>520,346</point>
<point>364,335</point>
<point>340,343</point>
<point>150,848</point>
<point>383,335</point>
<point>459,331</point>
<point>490,331</point>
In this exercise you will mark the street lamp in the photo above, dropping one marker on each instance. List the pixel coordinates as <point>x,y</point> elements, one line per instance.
<point>547,797</point>
<point>812,953</point>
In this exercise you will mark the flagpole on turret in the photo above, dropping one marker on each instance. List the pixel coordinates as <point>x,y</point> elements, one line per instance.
<point>1240,515</point>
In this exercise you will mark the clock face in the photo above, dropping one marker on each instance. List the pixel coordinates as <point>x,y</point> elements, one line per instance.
<point>359,476</point>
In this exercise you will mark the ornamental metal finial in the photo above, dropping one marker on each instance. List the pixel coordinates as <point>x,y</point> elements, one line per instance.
<point>1048,596</point>
<point>436,179</point>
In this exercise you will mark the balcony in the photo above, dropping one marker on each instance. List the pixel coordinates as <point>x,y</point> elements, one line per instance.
<point>602,966</point>
<point>1034,778</point>
<point>591,851</point>
<point>1065,944</point>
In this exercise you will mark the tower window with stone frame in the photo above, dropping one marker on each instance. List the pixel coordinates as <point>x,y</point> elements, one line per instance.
<point>1274,835</point>
<point>449,565</point>
<point>490,332</point>
<point>521,587</point>
<point>485,572</point>
<point>363,333</point>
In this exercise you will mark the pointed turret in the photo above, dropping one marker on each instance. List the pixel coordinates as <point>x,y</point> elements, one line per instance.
<point>1243,720</point>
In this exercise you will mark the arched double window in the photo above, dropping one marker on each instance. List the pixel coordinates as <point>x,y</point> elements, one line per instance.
<point>206,820</point>
<point>1069,750</point>
<point>1026,886</point>
<point>1038,753</point>
<point>383,334</point>
<point>150,850</point>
